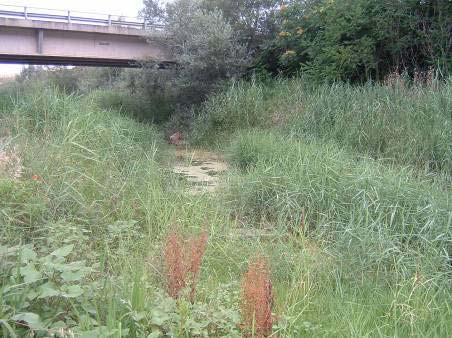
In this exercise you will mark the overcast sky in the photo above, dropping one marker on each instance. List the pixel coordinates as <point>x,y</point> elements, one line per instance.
<point>115,7</point>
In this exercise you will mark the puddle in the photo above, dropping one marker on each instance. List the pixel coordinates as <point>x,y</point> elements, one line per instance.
<point>10,161</point>
<point>200,168</point>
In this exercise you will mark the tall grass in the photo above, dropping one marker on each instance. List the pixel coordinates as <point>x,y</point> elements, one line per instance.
<point>356,183</point>
<point>285,175</point>
<point>152,108</point>
<point>88,212</point>
<point>90,163</point>
<point>356,246</point>
<point>389,226</point>
<point>405,124</point>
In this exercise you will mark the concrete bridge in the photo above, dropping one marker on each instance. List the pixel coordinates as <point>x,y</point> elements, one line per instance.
<point>38,37</point>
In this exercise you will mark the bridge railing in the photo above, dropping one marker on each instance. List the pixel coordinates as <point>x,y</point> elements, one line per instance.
<point>90,18</point>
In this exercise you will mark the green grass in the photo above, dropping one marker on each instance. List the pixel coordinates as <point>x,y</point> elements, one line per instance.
<point>408,125</point>
<point>378,229</point>
<point>155,109</point>
<point>82,228</point>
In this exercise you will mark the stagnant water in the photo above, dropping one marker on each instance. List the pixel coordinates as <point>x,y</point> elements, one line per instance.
<point>200,168</point>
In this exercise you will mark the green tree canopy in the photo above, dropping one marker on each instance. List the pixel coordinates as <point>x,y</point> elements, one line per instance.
<point>359,40</point>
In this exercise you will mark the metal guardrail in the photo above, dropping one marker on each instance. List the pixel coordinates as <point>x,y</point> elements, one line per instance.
<point>45,14</point>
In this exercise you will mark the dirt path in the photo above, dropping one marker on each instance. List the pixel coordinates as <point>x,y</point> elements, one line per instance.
<point>201,168</point>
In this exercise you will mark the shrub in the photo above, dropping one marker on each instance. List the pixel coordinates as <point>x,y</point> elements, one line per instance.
<point>360,40</point>
<point>40,290</point>
<point>143,107</point>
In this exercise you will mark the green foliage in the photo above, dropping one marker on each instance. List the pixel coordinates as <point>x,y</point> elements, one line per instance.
<point>41,291</point>
<point>144,94</point>
<point>400,124</point>
<point>205,48</point>
<point>204,45</point>
<point>45,292</point>
<point>284,176</point>
<point>346,236</point>
<point>361,40</point>
<point>91,197</point>
<point>81,160</point>
<point>167,317</point>
<point>66,80</point>
<point>369,217</point>
<point>145,108</point>
<point>23,205</point>
<point>254,21</point>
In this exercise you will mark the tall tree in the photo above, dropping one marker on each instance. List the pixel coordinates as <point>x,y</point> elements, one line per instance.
<point>254,21</point>
<point>207,49</point>
<point>359,40</point>
<point>153,12</point>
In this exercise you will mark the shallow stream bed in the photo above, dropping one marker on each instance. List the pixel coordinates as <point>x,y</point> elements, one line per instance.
<point>200,168</point>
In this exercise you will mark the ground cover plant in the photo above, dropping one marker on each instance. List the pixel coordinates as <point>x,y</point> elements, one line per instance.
<point>313,233</point>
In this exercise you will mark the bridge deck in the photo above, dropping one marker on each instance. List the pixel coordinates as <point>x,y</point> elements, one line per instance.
<point>61,40</point>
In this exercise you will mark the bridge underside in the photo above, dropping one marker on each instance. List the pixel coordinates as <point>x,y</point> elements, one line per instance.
<point>56,43</point>
<point>67,61</point>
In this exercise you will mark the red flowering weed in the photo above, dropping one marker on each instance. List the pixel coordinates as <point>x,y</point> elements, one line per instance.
<point>257,299</point>
<point>183,259</point>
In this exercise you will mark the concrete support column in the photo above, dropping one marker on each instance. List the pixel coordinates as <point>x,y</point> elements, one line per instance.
<point>40,41</point>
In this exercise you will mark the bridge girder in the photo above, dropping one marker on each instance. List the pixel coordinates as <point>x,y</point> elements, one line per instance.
<point>59,43</point>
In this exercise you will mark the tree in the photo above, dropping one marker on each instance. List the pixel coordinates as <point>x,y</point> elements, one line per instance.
<point>206,49</point>
<point>254,21</point>
<point>358,40</point>
<point>153,12</point>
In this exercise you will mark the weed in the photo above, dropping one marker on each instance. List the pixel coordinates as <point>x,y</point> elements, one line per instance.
<point>257,299</point>
<point>175,264</point>
<point>372,251</point>
<point>183,258</point>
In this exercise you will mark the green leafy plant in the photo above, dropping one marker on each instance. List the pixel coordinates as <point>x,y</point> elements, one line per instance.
<point>40,291</point>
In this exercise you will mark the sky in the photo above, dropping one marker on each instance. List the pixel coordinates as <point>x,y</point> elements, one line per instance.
<point>114,7</point>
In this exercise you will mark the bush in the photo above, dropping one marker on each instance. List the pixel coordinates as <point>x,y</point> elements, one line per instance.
<point>360,40</point>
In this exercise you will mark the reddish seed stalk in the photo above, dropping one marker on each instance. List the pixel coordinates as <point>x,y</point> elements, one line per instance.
<point>197,247</point>
<point>175,274</point>
<point>183,258</point>
<point>257,299</point>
